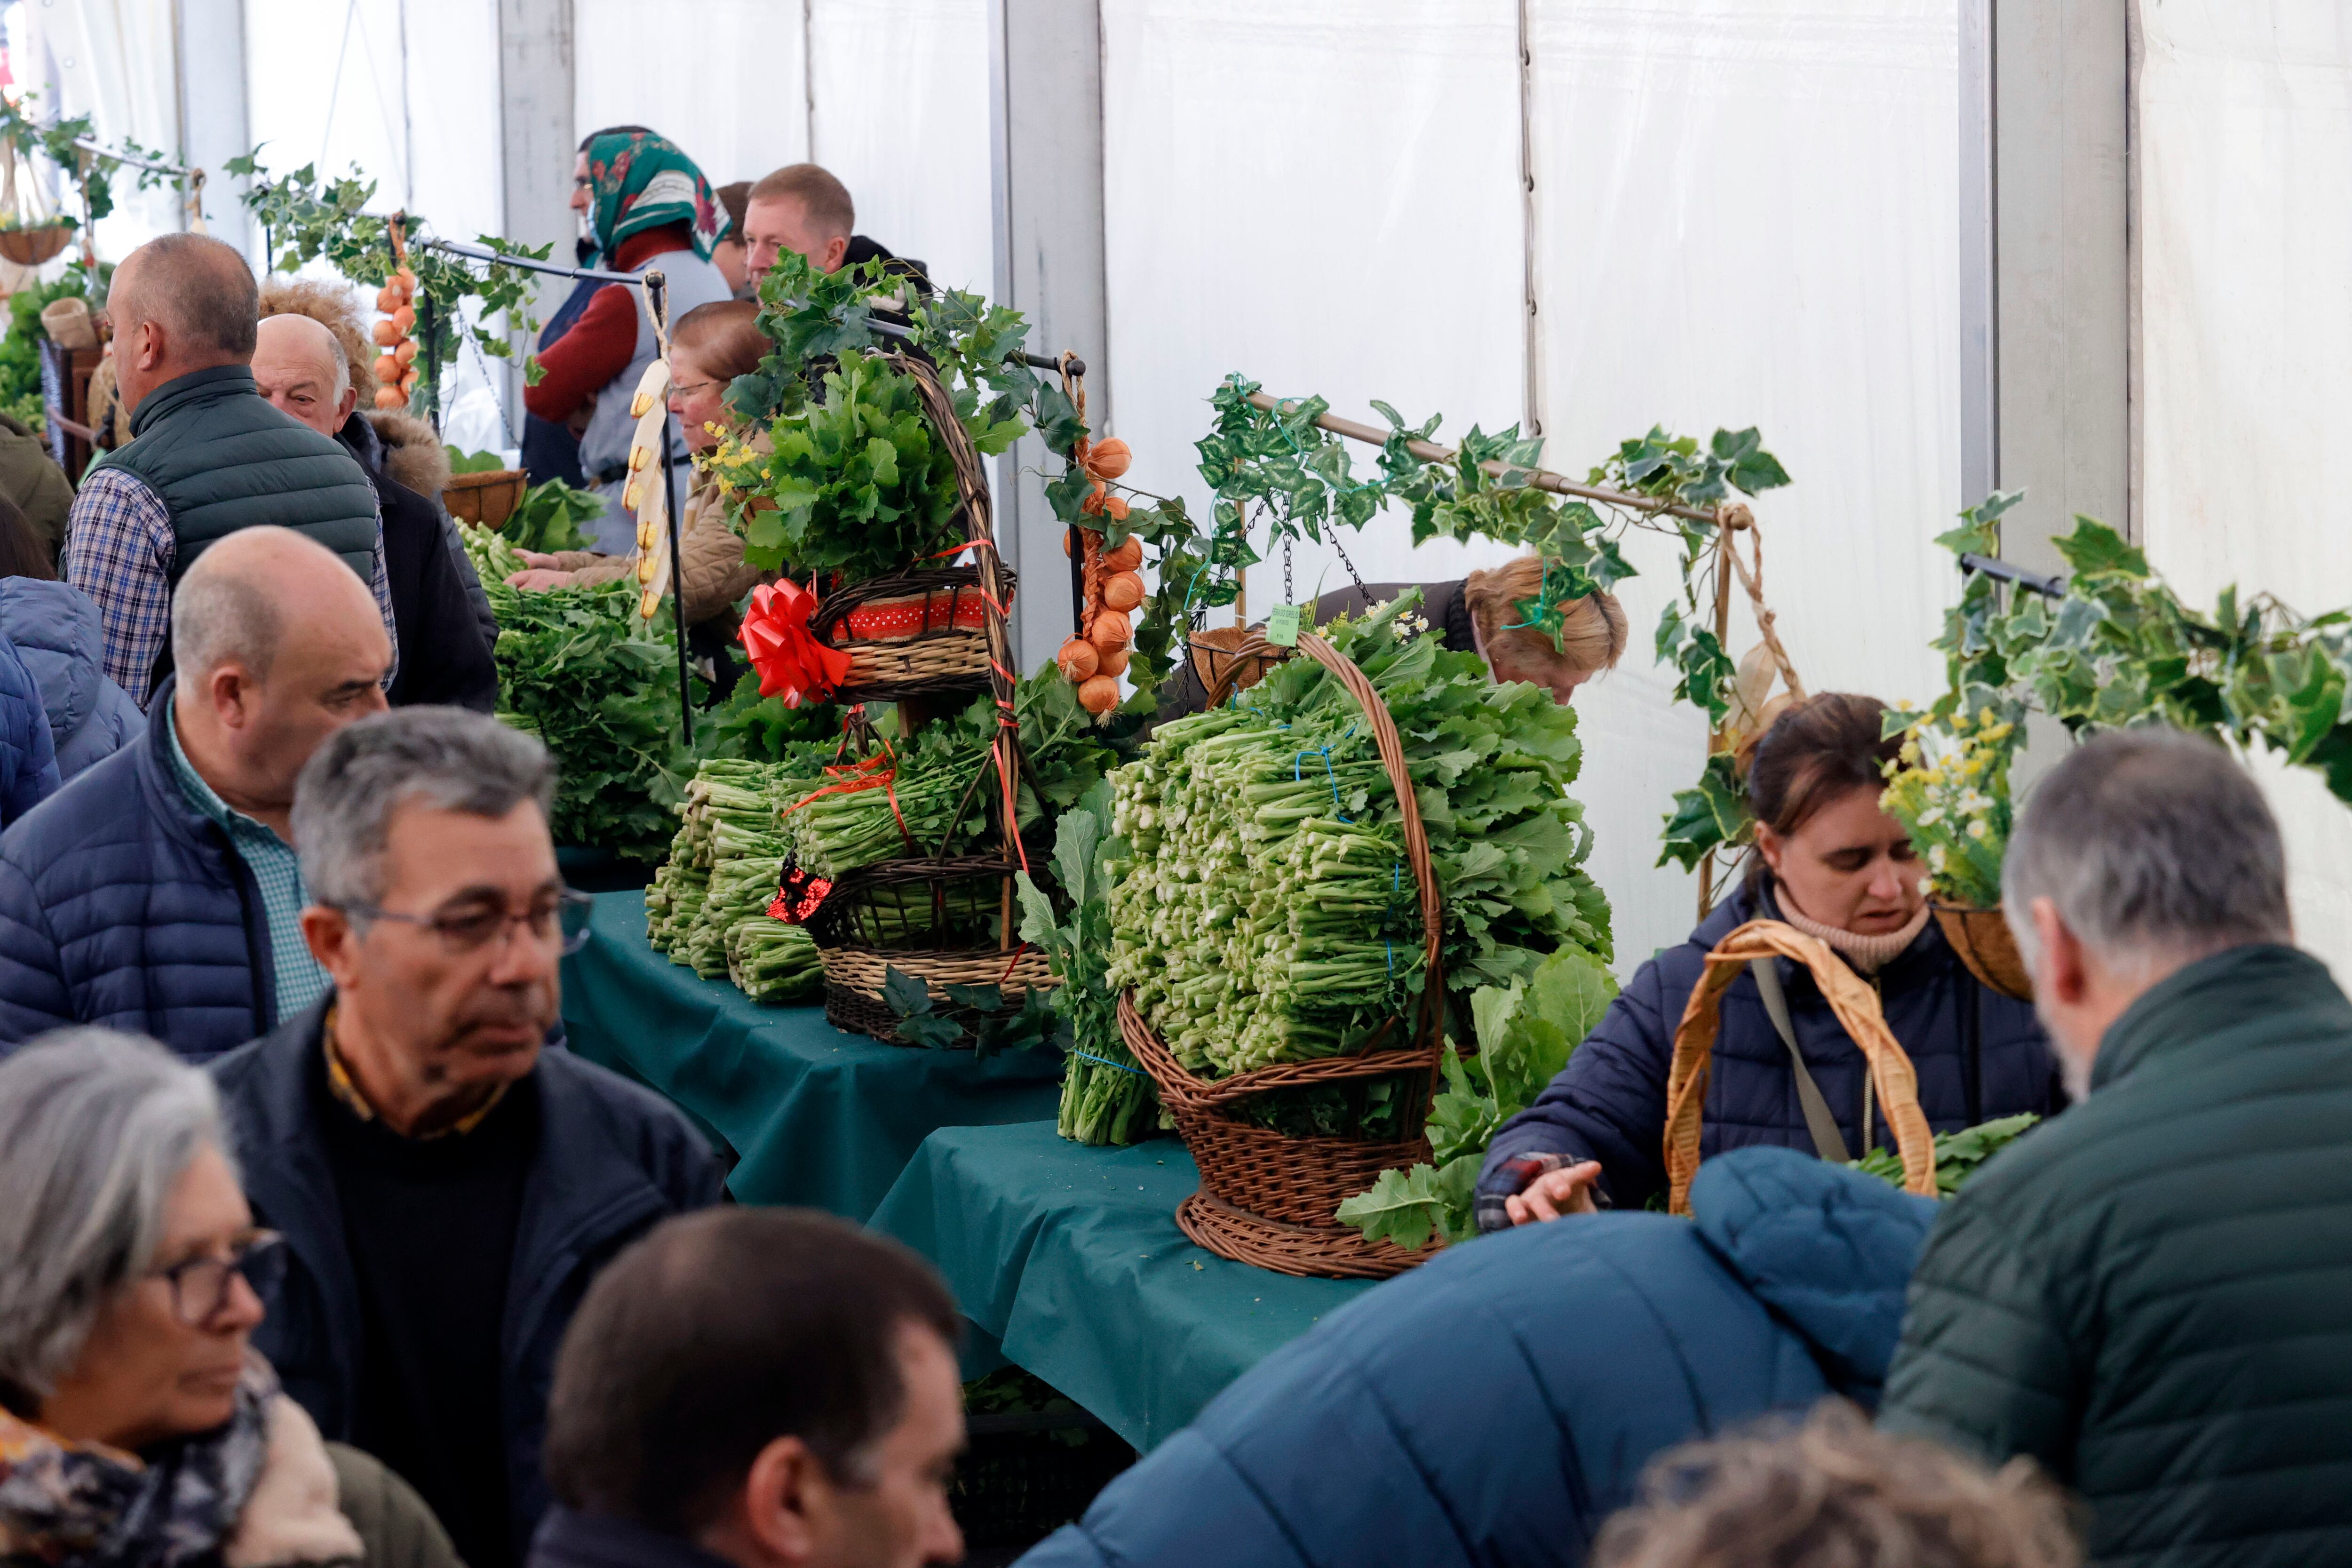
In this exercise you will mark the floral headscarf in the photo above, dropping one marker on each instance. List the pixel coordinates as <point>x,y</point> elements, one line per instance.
<point>641,181</point>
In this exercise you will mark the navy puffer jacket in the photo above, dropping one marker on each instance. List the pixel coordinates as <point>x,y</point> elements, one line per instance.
<point>121,904</point>
<point>28,762</point>
<point>1495,1405</point>
<point>56,627</point>
<point>1979,1055</point>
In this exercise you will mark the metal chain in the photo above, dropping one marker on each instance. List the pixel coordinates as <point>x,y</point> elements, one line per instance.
<point>482,362</point>
<point>1353,575</point>
<point>1288,595</point>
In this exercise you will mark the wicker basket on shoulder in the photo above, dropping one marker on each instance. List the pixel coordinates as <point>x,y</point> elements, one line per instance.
<point>1267,1198</point>
<point>945,920</point>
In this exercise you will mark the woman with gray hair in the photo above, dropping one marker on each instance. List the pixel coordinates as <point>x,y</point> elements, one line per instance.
<point>137,1425</point>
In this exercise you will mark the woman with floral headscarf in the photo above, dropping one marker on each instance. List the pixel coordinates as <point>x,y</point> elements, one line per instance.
<point>648,207</point>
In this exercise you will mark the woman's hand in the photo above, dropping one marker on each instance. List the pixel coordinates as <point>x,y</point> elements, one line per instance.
<point>537,579</point>
<point>538,558</point>
<point>1567,1190</point>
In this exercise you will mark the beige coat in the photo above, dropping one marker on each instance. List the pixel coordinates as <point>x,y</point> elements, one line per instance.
<point>710,556</point>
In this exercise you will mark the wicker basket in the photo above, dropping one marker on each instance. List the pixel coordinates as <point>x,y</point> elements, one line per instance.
<point>1987,945</point>
<point>1855,1003</point>
<point>31,246</point>
<point>485,500</point>
<point>912,634</point>
<point>1266,1198</point>
<point>944,920</point>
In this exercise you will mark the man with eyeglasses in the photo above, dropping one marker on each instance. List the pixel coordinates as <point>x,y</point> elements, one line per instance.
<point>447,1187</point>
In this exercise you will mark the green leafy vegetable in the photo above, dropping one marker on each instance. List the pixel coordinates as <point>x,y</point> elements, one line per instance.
<point>1958,1155</point>
<point>548,518</point>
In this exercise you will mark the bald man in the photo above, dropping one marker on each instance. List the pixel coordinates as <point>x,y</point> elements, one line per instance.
<point>158,890</point>
<point>300,367</point>
<point>207,455</point>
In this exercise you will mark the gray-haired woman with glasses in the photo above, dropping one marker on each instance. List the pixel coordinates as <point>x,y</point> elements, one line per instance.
<point>137,1425</point>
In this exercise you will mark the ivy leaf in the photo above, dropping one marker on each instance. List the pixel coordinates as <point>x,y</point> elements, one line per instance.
<point>1714,813</point>
<point>2095,548</point>
<point>1745,461</point>
<point>978,998</point>
<point>904,994</point>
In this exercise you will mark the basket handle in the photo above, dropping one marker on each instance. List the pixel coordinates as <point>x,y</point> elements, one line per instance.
<point>1853,1002</point>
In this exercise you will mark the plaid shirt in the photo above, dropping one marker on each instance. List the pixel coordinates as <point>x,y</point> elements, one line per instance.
<point>121,548</point>
<point>301,981</point>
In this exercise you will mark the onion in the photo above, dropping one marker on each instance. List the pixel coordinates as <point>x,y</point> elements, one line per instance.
<point>1126,557</point>
<point>405,319</point>
<point>1109,631</point>
<point>1108,459</point>
<point>386,335</point>
<point>1100,695</point>
<point>390,297</point>
<point>390,397</point>
<point>1123,592</point>
<point>1114,663</point>
<point>388,368</point>
<point>1079,659</point>
<point>407,350</point>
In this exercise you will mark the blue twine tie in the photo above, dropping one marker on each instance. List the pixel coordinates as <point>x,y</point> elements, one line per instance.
<point>1105,1061</point>
<point>1337,804</point>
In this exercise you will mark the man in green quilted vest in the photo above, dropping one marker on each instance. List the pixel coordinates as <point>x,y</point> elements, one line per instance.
<point>2152,1295</point>
<point>207,455</point>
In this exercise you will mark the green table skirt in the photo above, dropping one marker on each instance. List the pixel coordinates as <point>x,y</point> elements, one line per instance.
<point>817,1117</point>
<point>1069,1260</point>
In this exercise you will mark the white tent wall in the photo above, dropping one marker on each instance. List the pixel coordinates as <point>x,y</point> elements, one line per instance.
<point>738,109</point>
<point>2245,115</point>
<point>114,61</point>
<point>900,112</point>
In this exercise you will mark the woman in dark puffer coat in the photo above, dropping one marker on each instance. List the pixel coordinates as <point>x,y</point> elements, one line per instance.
<point>1838,868</point>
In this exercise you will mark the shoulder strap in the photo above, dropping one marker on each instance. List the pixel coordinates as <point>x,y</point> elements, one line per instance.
<point>1828,1140</point>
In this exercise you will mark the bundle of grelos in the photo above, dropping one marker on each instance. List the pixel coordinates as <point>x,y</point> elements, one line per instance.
<point>707,905</point>
<point>1267,913</point>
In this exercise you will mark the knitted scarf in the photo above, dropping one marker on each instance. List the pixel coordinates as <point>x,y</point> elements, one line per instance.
<point>1864,954</point>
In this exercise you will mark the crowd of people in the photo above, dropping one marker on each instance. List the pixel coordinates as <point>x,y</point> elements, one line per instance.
<point>318,1247</point>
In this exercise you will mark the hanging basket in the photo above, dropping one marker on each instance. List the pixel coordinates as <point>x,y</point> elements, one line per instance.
<point>945,920</point>
<point>1267,1198</point>
<point>912,633</point>
<point>1854,1001</point>
<point>486,500</point>
<point>42,242</point>
<point>1987,945</point>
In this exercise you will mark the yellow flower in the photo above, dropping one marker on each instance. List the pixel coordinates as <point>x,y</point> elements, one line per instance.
<point>1960,721</point>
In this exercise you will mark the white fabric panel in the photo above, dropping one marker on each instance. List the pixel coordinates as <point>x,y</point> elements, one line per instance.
<point>1322,195</point>
<point>2246,182</point>
<point>730,89</point>
<point>900,90</point>
<point>114,62</point>
<point>1748,215</point>
<point>324,86</point>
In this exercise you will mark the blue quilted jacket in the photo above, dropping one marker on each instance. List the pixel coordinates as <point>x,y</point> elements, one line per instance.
<point>28,762</point>
<point>1978,1056</point>
<point>1495,1405</point>
<point>121,904</point>
<point>56,627</point>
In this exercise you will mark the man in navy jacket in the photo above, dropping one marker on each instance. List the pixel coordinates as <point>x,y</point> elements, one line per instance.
<point>446,1189</point>
<point>158,892</point>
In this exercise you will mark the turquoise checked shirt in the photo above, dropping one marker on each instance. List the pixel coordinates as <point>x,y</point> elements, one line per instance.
<point>301,981</point>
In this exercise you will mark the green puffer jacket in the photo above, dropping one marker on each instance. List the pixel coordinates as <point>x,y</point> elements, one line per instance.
<point>2153,1295</point>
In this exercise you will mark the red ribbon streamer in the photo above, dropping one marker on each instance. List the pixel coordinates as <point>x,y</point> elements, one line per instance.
<point>790,661</point>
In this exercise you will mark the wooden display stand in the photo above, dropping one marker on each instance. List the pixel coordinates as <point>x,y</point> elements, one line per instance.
<point>65,392</point>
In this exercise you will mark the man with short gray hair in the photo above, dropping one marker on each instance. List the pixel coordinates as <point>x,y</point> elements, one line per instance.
<point>158,892</point>
<point>2149,1295</point>
<point>207,455</point>
<point>447,1187</point>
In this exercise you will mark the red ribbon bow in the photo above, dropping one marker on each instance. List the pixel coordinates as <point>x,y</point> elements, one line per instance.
<point>789,660</point>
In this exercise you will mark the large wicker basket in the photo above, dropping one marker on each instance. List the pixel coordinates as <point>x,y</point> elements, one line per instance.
<point>912,633</point>
<point>33,245</point>
<point>944,920</point>
<point>1267,1198</point>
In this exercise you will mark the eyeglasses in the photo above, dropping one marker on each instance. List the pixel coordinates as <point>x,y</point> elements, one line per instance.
<point>200,1285</point>
<point>693,385</point>
<point>557,919</point>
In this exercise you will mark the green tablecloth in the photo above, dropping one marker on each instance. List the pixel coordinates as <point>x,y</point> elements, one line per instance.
<point>1070,1260</point>
<point>817,1116</point>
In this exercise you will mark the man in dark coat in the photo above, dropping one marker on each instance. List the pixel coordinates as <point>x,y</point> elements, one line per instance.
<point>447,1188</point>
<point>2148,1297</point>
<point>1496,1405</point>
<point>207,455</point>
<point>300,367</point>
<point>157,892</point>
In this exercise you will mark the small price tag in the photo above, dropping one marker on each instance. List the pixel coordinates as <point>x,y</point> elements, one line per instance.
<point>1282,625</point>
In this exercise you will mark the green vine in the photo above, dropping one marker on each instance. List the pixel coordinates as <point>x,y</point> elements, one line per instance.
<point>2115,649</point>
<point>307,220</point>
<point>91,171</point>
